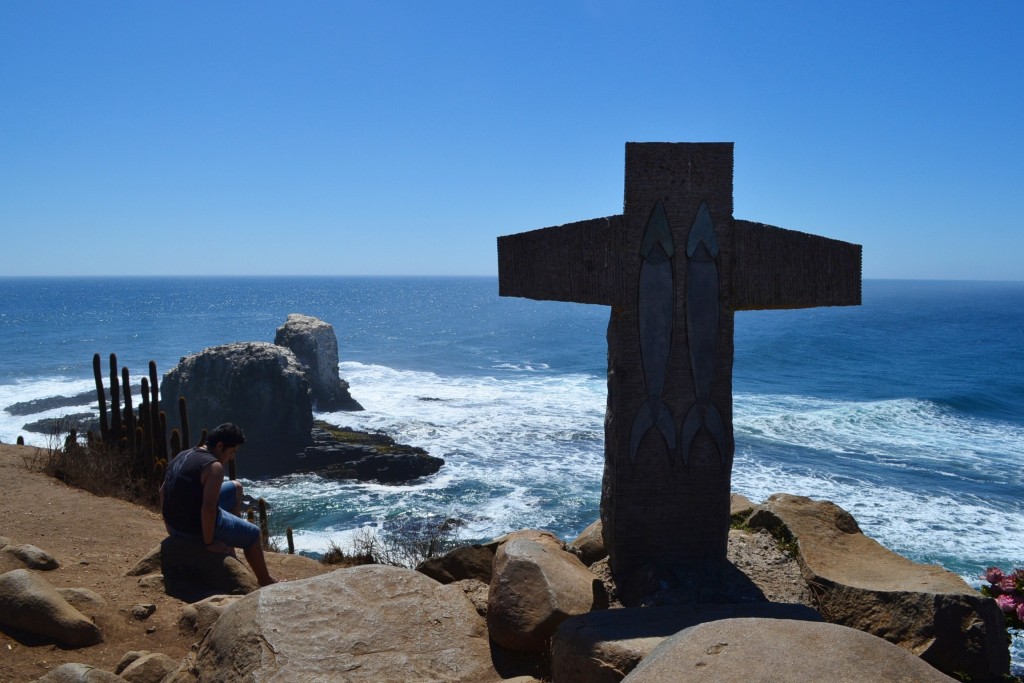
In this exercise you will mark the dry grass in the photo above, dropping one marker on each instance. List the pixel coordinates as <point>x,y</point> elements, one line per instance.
<point>98,468</point>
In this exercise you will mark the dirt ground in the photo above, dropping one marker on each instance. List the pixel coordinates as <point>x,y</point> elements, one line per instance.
<point>96,540</point>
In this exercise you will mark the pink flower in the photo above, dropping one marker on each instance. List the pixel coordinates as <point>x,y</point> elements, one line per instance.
<point>993,575</point>
<point>1007,584</point>
<point>1006,603</point>
<point>1020,611</point>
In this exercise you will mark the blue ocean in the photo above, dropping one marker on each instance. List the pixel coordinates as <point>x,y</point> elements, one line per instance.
<point>907,411</point>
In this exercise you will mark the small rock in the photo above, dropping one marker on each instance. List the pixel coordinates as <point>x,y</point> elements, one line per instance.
<point>143,610</point>
<point>33,557</point>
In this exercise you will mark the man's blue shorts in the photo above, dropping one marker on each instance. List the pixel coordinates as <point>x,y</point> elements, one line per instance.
<point>235,531</point>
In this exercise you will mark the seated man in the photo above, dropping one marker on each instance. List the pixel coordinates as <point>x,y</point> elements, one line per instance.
<point>197,503</point>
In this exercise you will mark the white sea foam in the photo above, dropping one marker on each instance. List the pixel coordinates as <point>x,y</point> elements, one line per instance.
<point>524,448</point>
<point>38,388</point>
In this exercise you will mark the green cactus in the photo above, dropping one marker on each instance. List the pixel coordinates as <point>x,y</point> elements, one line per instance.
<point>129,416</point>
<point>264,529</point>
<point>115,403</point>
<point>175,442</point>
<point>101,397</point>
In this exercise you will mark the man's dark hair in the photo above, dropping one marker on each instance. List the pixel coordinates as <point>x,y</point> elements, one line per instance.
<point>228,434</point>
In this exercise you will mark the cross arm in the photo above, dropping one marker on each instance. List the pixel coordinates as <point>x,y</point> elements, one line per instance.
<point>573,262</point>
<point>778,268</point>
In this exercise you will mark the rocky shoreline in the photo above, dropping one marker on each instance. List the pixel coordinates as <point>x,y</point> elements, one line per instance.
<point>806,597</point>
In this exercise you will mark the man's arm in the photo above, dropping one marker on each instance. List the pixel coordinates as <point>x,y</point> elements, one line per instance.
<point>212,477</point>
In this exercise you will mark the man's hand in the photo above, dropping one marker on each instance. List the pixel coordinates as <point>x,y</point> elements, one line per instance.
<point>219,546</point>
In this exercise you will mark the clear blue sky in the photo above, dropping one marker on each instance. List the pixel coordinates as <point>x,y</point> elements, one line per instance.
<point>349,138</point>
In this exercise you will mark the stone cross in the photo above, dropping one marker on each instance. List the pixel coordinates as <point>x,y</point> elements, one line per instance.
<point>674,267</point>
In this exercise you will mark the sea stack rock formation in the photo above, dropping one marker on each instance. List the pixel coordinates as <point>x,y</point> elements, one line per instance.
<point>316,346</point>
<point>259,386</point>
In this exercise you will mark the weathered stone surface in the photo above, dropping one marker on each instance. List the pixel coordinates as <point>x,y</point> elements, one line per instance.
<point>861,584</point>
<point>316,346</point>
<point>604,646</point>
<point>32,556</point>
<point>79,673</point>
<point>367,623</point>
<point>464,562</point>
<point>259,386</point>
<point>590,544</point>
<point>151,667</point>
<point>88,602</point>
<point>781,651</point>
<point>535,586</point>
<point>199,616</point>
<point>29,603</point>
<point>190,571</point>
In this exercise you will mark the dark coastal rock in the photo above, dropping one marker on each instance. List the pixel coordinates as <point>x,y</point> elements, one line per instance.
<point>859,583</point>
<point>259,386</point>
<point>80,422</point>
<point>343,453</point>
<point>316,346</point>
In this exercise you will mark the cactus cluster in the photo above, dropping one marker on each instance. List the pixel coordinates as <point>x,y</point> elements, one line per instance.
<point>142,432</point>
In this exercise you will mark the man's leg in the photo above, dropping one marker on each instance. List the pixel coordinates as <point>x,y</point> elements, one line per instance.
<point>239,533</point>
<point>231,497</point>
<point>256,560</point>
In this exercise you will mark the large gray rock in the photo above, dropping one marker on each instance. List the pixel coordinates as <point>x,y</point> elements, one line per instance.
<point>780,651</point>
<point>192,573</point>
<point>261,387</point>
<point>29,603</point>
<point>859,583</point>
<point>316,346</point>
<point>604,646</point>
<point>367,623</point>
<point>535,586</point>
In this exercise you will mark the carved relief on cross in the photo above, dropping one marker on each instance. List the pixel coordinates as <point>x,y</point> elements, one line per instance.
<point>674,267</point>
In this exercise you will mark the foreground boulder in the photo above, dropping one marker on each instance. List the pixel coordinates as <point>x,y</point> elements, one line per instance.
<point>29,603</point>
<point>367,623</point>
<point>604,646</point>
<point>316,347</point>
<point>259,386</point>
<point>744,650</point>
<point>535,586</point>
<point>859,583</point>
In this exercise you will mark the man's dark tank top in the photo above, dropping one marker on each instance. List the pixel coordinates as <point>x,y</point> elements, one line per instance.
<point>183,491</point>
